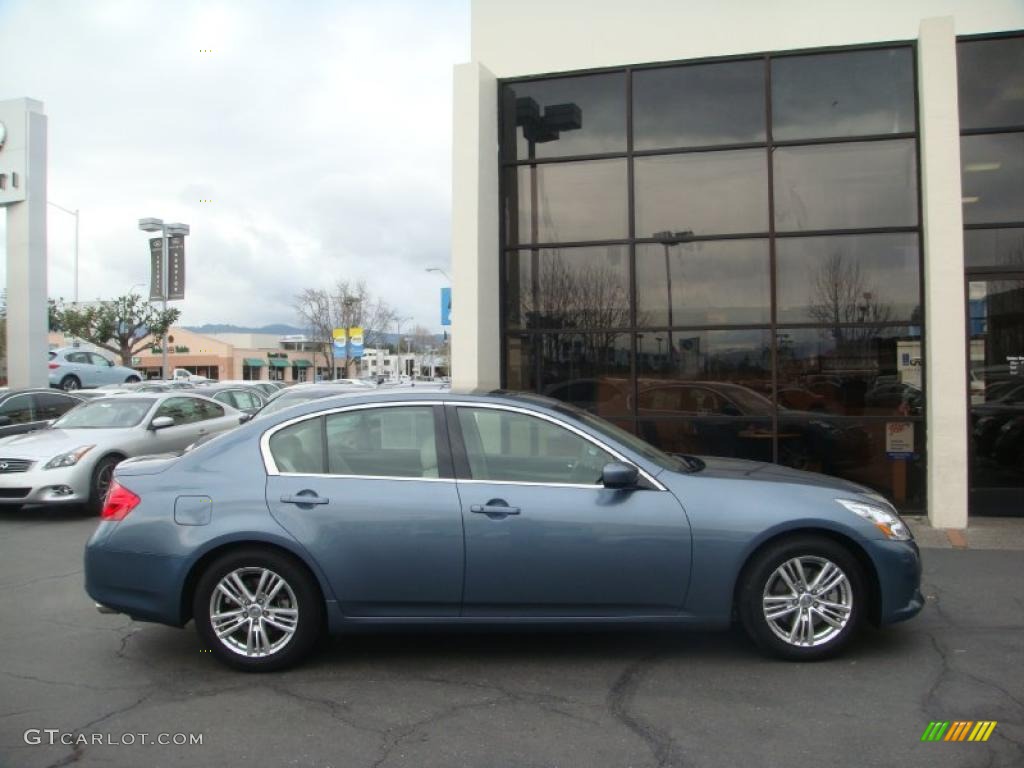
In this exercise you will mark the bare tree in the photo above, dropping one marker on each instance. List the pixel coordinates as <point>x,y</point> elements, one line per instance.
<point>349,304</point>
<point>316,312</point>
<point>841,294</point>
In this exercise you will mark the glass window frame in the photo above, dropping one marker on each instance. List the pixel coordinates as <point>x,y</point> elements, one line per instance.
<point>531,339</point>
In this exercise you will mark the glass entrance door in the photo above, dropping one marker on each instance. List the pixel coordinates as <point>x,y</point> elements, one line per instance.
<point>996,363</point>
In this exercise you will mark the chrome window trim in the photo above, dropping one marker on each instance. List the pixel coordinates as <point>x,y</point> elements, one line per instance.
<point>271,466</point>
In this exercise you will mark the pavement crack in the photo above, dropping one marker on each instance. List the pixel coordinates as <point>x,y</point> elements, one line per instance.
<point>620,699</point>
<point>37,580</point>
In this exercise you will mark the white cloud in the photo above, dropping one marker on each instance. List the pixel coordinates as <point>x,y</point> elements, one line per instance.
<point>320,130</point>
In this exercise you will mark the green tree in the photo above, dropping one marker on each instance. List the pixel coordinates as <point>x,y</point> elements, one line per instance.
<point>122,326</point>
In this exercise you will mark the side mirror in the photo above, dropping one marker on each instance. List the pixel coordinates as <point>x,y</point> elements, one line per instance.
<point>618,475</point>
<point>110,363</point>
<point>244,418</point>
<point>161,422</point>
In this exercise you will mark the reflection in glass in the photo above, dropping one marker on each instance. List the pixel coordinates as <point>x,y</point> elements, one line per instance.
<point>848,279</point>
<point>855,371</point>
<point>705,193</point>
<point>699,105</point>
<point>846,186</point>
<point>856,450</point>
<point>994,248</point>
<point>567,202</point>
<point>741,358</point>
<point>856,93</point>
<point>585,287</point>
<point>992,177</point>
<point>520,363</point>
<point>538,113</point>
<point>991,77</point>
<point>591,370</point>
<point>737,438</point>
<point>724,282</point>
<point>997,395</point>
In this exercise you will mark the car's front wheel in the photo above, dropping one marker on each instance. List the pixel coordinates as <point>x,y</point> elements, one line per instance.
<point>803,598</point>
<point>258,610</point>
<point>132,380</point>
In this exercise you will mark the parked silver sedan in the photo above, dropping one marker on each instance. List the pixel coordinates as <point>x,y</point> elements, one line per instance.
<point>73,461</point>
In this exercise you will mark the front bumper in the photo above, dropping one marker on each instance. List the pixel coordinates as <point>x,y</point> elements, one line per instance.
<point>898,566</point>
<point>67,485</point>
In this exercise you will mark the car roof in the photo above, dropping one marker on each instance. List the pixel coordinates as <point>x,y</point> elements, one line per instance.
<point>7,392</point>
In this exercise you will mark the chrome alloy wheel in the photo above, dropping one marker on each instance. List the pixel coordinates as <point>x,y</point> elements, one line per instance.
<point>807,601</point>
<point>253,612</point>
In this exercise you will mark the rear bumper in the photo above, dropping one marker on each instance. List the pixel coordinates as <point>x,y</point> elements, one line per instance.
<point>144,586</point>
<point>898,565</point>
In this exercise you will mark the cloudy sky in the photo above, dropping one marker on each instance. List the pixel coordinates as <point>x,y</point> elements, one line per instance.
<point>321,132</point>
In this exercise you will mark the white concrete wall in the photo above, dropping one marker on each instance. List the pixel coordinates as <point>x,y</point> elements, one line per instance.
<point>533,36</point>
<point>945,306</point>
<point>475,306</point>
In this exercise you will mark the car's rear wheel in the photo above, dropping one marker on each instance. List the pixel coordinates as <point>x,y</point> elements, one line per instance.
<point>102,476</point>
<point>70,383</point>
<point>258,610</point>
<point>803,598</point>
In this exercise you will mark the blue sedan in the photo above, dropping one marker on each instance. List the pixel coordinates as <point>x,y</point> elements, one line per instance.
<point>398,508</point>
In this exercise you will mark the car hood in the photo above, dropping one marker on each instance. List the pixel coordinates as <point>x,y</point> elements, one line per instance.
<point>47,443</point>
<point>756,471</point>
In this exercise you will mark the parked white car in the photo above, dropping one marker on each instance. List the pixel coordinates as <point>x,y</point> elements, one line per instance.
<point>73,368</point>
<point>72,462</point>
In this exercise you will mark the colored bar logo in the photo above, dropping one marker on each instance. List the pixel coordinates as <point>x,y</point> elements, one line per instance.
<point>958,730</point>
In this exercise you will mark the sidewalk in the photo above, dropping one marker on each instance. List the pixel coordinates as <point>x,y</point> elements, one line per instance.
<point>981,533</point>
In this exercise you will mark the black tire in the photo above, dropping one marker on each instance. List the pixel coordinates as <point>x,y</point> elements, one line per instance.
<point>760,579</point>
<point>102,475</point>
<point>308,599</point>
<point>70,383</point>
<point>132,380</point>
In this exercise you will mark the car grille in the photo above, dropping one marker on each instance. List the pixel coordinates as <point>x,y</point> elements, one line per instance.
<point>14,493</point>
<point>15,465</point>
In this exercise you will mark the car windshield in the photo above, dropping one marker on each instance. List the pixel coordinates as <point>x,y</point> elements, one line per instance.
<point>105,414</point>
<point>631,441</point>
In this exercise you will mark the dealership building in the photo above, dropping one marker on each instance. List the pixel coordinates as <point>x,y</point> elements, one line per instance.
<point>788,231</point>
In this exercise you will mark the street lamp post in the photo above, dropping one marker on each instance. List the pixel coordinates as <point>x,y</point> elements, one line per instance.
<point>450,355</point>
<point>75,214</point>
<point>165,230</point>
<point>669,239</point>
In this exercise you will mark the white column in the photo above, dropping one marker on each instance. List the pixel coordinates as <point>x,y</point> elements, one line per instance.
<point>945,310</point>
<point>475,277</point>
<point>25,197</point>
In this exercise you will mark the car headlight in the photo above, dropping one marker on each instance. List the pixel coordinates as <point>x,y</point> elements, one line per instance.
<point>68,459</point>
<point>885,520</point>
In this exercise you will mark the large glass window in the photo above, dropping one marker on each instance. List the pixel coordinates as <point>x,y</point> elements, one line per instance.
<point>734,274</point>
<point>699,105</point>
<point>853,93</point>
<point>846,186</point>
<point>704,193</point>
<point>991,79</point>
<point>567,202</point>
<point>714,282</point>
<point>568,287</point>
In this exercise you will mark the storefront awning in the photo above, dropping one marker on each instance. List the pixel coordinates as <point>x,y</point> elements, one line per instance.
<point>302,363</point>
<point>253,362</point>
<point>277,362</point>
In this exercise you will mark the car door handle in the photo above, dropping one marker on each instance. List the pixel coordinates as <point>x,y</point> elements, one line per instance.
<point>497,509</point>
<point>301,498</point>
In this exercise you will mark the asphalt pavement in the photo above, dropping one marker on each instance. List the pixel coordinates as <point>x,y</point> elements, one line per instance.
<point>653,698</point>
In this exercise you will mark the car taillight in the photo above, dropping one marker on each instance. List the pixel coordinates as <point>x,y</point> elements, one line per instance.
<point>120,501</point>
<point>54,365</point>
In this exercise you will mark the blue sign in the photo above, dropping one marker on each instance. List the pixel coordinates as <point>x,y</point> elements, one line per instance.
<point>446,306</point>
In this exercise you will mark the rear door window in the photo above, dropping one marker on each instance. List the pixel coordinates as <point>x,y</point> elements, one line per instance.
<point>383,442</point>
